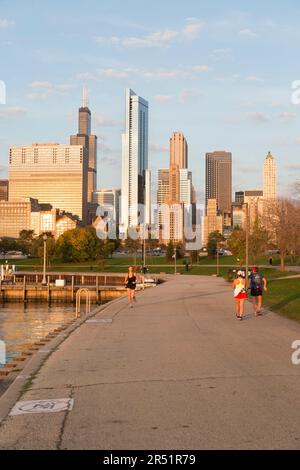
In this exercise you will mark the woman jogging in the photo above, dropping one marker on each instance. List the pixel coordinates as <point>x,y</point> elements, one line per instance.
<point>240,294</point>
<point>130,284</point>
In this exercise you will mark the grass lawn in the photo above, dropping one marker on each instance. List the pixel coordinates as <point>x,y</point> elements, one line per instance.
<point>283,297</point>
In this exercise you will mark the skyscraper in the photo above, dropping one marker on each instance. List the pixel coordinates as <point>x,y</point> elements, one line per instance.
<point>178,150</point>
<point>52,173</point>
<point>134,159</point>
<point>89,141</point>
<point>4,190</point>
<point>269,178</point>
<point>218,180</point>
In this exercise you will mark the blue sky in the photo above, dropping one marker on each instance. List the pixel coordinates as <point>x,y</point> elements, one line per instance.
<point>221,72</point>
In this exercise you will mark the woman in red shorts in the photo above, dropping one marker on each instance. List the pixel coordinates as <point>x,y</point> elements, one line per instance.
<point>240,294</point>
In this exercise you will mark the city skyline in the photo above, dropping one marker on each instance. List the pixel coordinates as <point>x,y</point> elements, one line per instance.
<point>161,60</point>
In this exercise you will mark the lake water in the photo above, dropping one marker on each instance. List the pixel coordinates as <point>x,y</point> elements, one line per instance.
<point>22,325</point>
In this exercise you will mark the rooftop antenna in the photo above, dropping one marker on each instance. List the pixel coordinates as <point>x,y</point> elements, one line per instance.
<point>85,97</point>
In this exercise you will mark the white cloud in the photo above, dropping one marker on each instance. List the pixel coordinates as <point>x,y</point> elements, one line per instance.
<point>5,24</point>
<point>7,112</point>
<point>155,148</point>
<point>163,98</point>
<point>41,85</point>
<point>248,33</point>
<point>186,95</point>
<point>102,120</point>
<point>254,78</point>
<point>286,116</point>
<point>112,73</point>
<point>192,29</point>
<point>182,71</point>
<point>220,55</point>
<point>258,117</point>
<point>163,38</point>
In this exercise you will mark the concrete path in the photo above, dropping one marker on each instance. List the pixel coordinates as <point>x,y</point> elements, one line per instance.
<point>176,372</point>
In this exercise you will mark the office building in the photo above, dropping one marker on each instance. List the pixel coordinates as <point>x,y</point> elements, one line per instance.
<point>4,190</point>
<point>254,199</point>
<point>51,173</point>
<point>239,197</point>
<point>85,138</point>
<point>178,150</point>
<point>109,198</point>
<point>212,221</point>
<point>269,178</point>
<point>134,159</point>
<point>218,180</point>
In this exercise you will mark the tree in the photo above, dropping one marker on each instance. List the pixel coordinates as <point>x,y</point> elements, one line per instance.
<point>282,221</point>
<point>26,238</point>
<point>237,244</point>
<point>214,239</point>
<point>258,241</point>
<point>170,251</point>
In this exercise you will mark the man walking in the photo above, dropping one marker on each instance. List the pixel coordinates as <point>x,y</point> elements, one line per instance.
<point>258,285</point>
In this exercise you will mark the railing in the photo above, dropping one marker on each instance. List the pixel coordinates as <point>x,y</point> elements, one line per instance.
<point>87,301</point>
<point>70,279</point>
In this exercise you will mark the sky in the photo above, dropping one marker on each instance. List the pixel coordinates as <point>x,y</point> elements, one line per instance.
<point>220,72</point>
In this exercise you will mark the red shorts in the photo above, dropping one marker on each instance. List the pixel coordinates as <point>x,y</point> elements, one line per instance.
<point>241,296</point>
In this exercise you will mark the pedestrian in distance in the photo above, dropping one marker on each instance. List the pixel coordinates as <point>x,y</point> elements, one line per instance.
<point>258,285</point>
<point>240,294</point>
<point>130,284</point>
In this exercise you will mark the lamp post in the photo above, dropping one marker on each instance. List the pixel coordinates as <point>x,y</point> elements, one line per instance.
<point>175,260</point>
<point>218,259</point>
<point>44,281</point>
<point>247,241</point>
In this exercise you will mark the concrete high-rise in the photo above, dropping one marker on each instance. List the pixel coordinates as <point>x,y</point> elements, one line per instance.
<point>4,190</point>
<point>269,178</point>
<point>218,180</point>
<point>211,222</point>
<point>52,173</point>
<point>89,141</point>
<point>178,150</point>
<point>134,159</point>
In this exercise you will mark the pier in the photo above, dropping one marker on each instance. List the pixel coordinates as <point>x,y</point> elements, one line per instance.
<point>62,287</point>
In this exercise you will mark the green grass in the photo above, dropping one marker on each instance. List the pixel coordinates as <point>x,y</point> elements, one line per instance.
<point>283,297</point>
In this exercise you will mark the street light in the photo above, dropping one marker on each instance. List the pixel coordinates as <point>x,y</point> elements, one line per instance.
<point>247,241</point>
<point>44,281</point>
<point>175,260</point>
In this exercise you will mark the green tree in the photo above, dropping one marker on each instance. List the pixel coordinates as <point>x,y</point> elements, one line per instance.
<point>237,244</point>
<point>26,238</point>
<point>214,239</point>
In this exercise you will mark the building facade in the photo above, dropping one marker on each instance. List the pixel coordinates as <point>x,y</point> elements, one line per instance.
<point>212,221</point>
<point>4,185</point>
<point>109,198</point>
<point>269,178</point>
<point>85,138</point>
<point>134,159</point>
<point>51,173</point>
<point>178,150</point>
<point>218,180</point>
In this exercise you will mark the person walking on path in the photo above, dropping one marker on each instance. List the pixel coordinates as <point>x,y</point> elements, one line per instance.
<point>258,285</point>
<point>130,284</point>
<point>240,294</point>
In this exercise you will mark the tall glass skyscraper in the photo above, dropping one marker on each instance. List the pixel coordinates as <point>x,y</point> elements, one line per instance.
<point>134,159</point>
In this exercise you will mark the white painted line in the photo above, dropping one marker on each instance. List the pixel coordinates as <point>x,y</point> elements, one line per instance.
<point>42,406</point>
<point>45,351</point>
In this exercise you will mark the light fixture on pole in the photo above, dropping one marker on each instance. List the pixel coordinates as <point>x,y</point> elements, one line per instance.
<point>44,281</point>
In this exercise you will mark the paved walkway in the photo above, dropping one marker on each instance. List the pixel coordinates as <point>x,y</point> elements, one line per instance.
<point>177,371</point>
